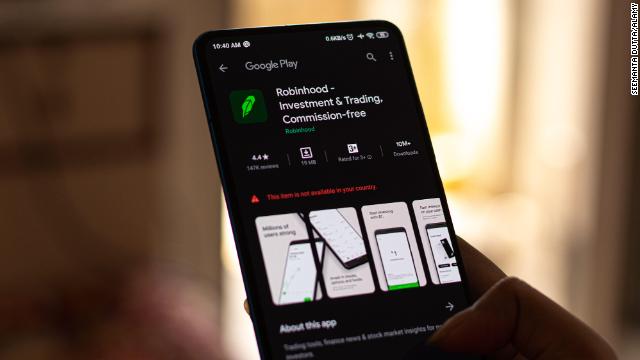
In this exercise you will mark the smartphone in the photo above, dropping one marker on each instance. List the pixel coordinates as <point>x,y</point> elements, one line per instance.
<point>397,260</point>
<point>320,245</point>
<point>341,237</point>
<point>325,116</point>
<point>320,252</point>
<point>447,247</point>
<point>443,254</point>
<point>299,283</point>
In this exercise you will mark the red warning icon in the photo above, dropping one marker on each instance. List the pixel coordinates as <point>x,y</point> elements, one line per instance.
<point>254,199</point>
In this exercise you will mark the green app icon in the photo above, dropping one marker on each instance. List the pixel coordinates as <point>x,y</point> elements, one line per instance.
<point>248,106</point>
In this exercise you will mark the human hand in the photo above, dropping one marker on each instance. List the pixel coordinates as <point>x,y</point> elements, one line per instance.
<point>512,320</point>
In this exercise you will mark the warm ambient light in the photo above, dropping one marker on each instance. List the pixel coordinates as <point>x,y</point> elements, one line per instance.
<point>474,75</point>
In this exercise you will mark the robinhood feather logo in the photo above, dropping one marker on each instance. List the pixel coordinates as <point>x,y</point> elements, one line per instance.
<point>248,106</point>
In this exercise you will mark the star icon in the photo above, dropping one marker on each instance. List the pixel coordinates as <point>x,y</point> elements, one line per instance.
<point>265,156</point>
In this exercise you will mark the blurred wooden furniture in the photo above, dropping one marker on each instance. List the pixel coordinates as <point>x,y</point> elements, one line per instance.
<point>105,158</point>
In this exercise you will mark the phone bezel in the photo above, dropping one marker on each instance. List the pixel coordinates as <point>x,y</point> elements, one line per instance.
<point>447,247</point>
<point>312,244</point>
<point>219,145</point>
<point>351,263</point>
<point>391,231</point>
<point>321,258</point>
<point>433,251</point>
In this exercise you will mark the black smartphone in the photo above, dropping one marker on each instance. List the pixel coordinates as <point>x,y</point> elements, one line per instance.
<point>343,240</point>
<point>320,252</point>
<point>397,260</point>
<point>300,280</point>
<point>443,254</point>
<point>325,116</point>
<point>447,247</point>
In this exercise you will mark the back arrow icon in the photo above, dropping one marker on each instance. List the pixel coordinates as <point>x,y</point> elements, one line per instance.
<point>449,306</point>
<point>223,68</point>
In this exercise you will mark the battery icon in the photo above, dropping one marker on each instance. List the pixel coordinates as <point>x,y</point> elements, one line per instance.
<point>382,34</point>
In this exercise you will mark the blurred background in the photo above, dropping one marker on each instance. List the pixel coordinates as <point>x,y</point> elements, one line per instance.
<point>112,222</point>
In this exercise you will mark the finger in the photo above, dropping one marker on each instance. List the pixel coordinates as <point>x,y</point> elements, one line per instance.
<point>512,312</point>
<point>506,353</point>
<point>481,272</point>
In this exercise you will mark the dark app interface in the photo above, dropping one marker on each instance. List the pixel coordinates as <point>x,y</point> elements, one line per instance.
<point>335,196</point>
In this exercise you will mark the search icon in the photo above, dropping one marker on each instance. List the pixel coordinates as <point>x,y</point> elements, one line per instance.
<point>371,57</point>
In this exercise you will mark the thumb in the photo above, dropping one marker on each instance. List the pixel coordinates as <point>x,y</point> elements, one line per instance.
<point>513,314</point>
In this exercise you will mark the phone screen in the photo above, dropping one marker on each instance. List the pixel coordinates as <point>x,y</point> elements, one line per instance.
<point>397,260</point>
<point>445,260</point>
<point>299,282</point>
<point>339,235</point>
<point>319,134</point>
